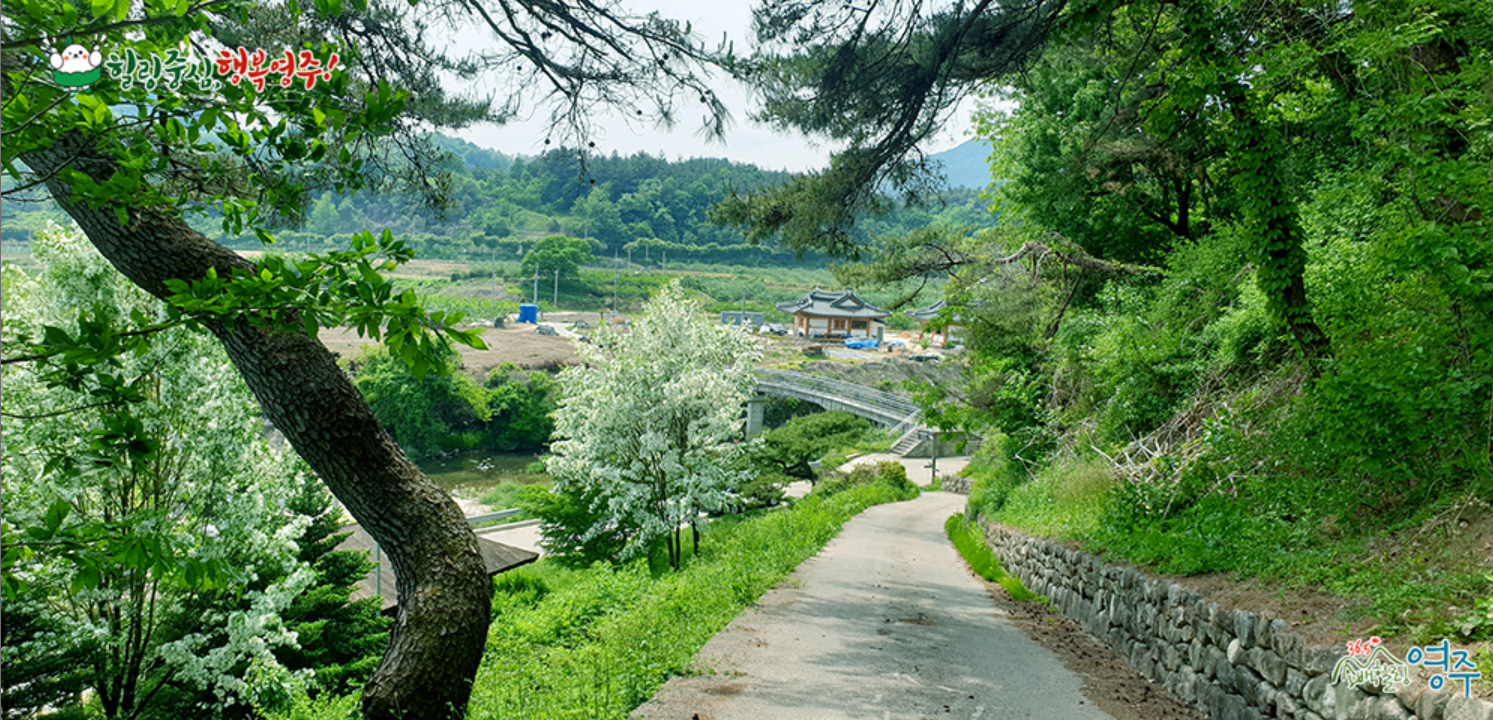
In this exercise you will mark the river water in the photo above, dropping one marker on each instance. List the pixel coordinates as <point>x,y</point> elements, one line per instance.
<point>471,474</point>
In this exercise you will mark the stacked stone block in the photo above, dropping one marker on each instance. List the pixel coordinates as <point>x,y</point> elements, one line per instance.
<point>1229,664</point>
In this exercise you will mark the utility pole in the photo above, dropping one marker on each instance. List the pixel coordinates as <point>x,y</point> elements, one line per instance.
<point>536,283</point>
<point>556,301</point>
<point>743,319</point>
<point>615,275</point>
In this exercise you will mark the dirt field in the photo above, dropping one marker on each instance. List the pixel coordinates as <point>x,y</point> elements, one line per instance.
<point>520,345</point>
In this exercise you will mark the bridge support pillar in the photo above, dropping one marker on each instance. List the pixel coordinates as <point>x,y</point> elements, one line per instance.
<point>754,415</point>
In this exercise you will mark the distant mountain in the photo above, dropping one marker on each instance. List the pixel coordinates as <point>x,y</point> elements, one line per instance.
<point>474,157</point>
<point>966,166</point>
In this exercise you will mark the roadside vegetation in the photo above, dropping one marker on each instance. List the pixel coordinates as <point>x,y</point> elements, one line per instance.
<point>969,539</point>
<point>594,642</point>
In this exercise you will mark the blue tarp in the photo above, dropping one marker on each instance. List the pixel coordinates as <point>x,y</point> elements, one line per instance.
<point>528,313</point>
<point>861,344</point>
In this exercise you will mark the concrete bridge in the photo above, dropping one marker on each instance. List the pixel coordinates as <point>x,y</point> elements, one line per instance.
<point>879,407</point>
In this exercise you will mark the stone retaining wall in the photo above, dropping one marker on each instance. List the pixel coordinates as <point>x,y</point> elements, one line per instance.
<point>956,484</point>
<point>1229,664</point>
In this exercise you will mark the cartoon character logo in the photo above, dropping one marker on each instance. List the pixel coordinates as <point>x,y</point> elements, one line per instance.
<point>75,68</point>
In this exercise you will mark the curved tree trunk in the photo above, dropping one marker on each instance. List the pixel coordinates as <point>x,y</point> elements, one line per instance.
<point>444,593</point>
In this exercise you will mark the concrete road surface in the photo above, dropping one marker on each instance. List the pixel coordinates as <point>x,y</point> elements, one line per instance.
<point>885,622</point>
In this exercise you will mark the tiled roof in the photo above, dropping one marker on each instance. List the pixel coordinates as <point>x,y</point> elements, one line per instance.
<point>926,313</point>
<point>932,311</point>
<point>832,304</point>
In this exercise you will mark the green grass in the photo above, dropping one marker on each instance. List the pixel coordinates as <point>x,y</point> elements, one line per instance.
<point>601,646</point>
<point>1417,579</point>
<point>504,496</point>
<point>967,539</point>
<point>1065,501</point>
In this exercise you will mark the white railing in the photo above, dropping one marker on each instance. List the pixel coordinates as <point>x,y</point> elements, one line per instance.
<point>908,424</point>
<point>886,405</point>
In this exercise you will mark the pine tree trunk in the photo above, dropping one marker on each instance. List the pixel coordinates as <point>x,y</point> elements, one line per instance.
<point>438,636</point>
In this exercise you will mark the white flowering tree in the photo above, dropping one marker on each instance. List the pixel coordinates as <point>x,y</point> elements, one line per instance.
<point>147,539</point>
<point>644,429</point>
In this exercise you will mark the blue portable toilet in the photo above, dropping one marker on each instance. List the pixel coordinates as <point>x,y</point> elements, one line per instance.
<point>528,313</point>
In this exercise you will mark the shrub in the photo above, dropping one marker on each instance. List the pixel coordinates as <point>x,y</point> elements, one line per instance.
<point>996,469</point>
<point>889,474</point>
<point>788,450</point>
<point>568,526</point>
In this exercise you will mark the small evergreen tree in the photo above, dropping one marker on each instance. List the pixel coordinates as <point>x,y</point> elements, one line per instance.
<point>339,638</point>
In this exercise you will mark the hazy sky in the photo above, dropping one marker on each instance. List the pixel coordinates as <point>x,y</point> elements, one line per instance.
<point>745,141</point>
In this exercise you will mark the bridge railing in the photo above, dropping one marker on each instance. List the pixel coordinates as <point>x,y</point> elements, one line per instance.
<point>909,424</point>
<point>893,407</point>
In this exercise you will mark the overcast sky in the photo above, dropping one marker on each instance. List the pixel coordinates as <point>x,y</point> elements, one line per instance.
<point>745,141</point>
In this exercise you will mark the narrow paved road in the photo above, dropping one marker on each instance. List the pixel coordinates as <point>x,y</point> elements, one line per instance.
<point>885,622</point>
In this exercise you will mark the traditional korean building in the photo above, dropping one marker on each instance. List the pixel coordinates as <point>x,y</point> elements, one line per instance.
<point>835,314</point>
<point>945,335</point>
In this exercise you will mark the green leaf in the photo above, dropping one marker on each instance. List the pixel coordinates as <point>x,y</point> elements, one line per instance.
<point>87,578</point>
<point>55,515</point>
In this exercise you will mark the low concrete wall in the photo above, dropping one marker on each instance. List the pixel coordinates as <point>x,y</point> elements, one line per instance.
<point>948,446</point>
<point>1229,664</point>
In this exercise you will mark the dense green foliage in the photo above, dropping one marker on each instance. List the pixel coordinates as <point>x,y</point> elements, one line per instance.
<point>557,256</point>
<point>158,551</point>
<point>1190,415</point>
<point>788,450</point>
<point>641,208</point>
<point>452,412</point>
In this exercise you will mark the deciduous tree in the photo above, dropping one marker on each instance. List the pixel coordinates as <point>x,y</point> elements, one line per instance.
<point>644,427</point>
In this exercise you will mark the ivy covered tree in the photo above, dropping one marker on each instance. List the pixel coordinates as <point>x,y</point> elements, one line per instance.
<point>644,426</point>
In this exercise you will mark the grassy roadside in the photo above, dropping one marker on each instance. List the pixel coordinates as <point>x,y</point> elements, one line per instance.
<point>604,642</point>
<point>596,643</point>
<point>1419,579</point>
<point>966,538</point>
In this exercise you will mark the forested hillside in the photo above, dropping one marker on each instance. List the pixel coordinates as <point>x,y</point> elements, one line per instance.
<point>1238,315</point>
<point>497,207</point>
